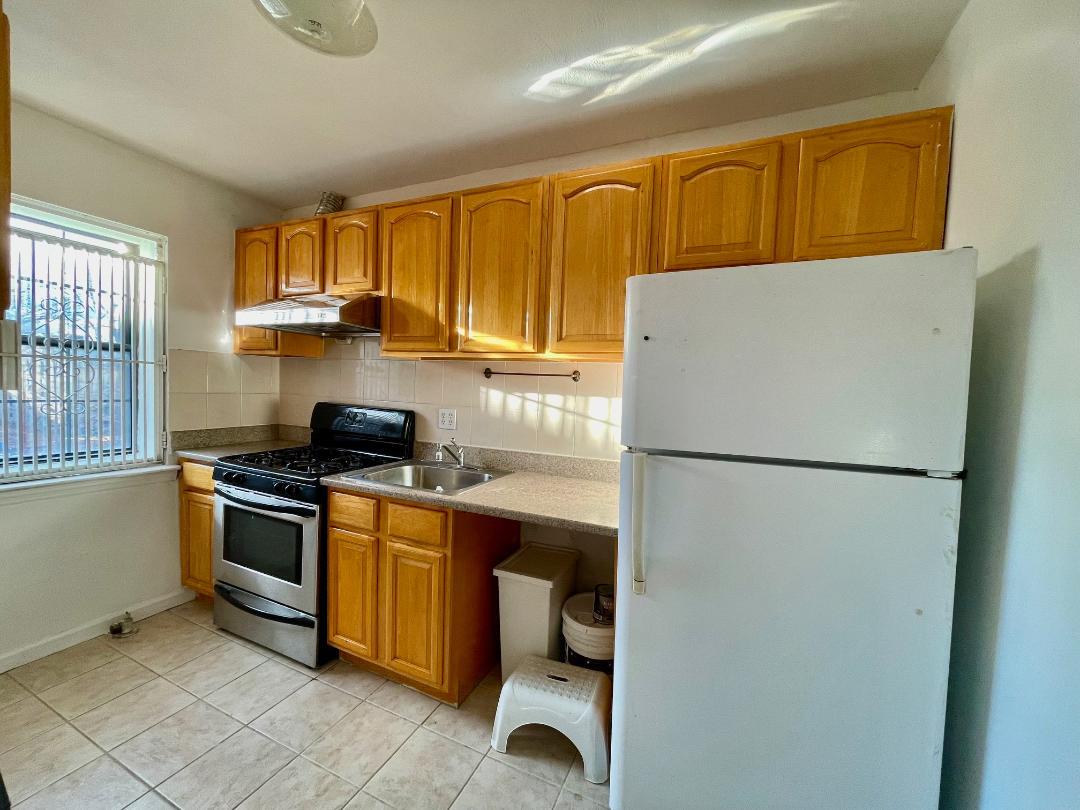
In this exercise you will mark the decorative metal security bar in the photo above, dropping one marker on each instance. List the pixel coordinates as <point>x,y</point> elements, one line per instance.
<point>81,371</point>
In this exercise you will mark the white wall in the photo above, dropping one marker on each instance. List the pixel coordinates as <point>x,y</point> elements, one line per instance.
<point>59,163</point>
<point>1013,735</point>
<point>69,558</point>
<point>887,104</point>
<point>75,557</point>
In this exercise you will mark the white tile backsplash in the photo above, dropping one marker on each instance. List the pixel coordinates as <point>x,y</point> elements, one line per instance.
<point>187,372</point>
<point>377,380</point>
<point>214,390</point>
<point>223,374</point>
<point>258,375</point>
<point>223,410</point>
<point>258,409</point>
<point>544,414</point>
<point>429,381</point>
<point>351,380</point>
<point>402,381</point>
<point>187,411</point>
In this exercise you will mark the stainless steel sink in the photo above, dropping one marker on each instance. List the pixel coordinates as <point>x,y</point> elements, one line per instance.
<point>448,479</point>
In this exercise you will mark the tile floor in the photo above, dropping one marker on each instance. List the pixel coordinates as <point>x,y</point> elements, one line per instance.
<point>184,714</point>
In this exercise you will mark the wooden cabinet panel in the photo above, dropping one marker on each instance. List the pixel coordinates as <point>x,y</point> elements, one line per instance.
<point>352,582</point>
<point>415,248</point>
<point>351,263</point>
<point>196,541</point>
<point>719,207</point>
<point>353,512</point>
<point>256,282</point>
<point>416,523</point>
<point>499,263</point>
<point>414,611</point>
<point>873,188</point>
<point>197,476</point>
<point>600,236</point>
<point>300,257</point>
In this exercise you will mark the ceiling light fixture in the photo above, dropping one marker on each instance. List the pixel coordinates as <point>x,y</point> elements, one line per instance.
<point>338,27</point>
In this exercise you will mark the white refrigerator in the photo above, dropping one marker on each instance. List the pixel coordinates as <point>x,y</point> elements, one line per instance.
<point>787,536</point>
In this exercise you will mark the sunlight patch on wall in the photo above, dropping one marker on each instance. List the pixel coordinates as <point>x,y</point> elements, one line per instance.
<point>624,68</point>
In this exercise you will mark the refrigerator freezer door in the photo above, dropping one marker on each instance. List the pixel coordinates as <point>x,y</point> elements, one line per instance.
<point>850,361</point>
<point>791,648</point>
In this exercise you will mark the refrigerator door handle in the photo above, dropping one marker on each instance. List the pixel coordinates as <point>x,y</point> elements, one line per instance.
<point>637,505</point>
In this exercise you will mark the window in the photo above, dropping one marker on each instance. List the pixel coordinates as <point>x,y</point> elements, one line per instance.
<point>81,346</point>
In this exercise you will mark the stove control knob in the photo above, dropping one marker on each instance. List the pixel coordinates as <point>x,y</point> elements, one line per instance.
<point>292,489</point>
<point>228,476</point>
<point>281,488</point>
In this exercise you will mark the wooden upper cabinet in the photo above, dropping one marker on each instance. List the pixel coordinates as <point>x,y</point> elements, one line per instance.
<point>415,248</point>
<point>256,282</point>
<point>719,207</point>
<point>499,263</point>
<point>352,583</point>
<point>601,229</point>
<point>351,263</point>
<point>873,187</point>
<point>414,612</point>
<point>300,257</point>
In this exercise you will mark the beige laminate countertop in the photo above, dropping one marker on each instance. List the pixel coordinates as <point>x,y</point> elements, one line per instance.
<point>550,500</point>
<point>208,455</point>
<point>577,504</point>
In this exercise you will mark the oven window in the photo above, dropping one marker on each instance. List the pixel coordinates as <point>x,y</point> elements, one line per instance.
<point>268,545</point>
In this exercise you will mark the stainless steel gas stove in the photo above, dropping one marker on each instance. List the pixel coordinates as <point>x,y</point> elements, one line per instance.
<point>270,530</point>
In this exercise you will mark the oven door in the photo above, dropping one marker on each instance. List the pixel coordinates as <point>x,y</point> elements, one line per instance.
<point>268,546</point>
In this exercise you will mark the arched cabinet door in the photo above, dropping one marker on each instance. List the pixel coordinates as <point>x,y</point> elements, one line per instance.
<point>719,207</point>
<point>871,189</point>
<point>415,248</point>
<point>256,282</point>
<point>351,264</point>
<point>300,252</point>
<point>499,264</point>
<point>601,231</point>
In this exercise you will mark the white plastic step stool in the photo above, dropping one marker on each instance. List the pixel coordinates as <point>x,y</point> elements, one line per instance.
<point>569,699</point>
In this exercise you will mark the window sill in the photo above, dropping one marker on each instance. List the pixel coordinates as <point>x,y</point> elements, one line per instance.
<point>23,491</point>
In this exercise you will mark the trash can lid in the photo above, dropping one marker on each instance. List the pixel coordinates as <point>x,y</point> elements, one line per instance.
<point>538,564</point>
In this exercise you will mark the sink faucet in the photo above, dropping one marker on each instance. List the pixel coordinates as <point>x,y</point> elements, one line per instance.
<point>456,453</point>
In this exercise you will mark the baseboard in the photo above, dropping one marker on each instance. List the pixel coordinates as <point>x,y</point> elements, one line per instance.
<point>70,638</point>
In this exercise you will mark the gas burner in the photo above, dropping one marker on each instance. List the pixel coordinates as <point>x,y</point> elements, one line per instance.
<point>304,463</point>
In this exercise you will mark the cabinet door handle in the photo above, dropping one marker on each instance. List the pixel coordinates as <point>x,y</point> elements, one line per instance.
<point>637,508</point>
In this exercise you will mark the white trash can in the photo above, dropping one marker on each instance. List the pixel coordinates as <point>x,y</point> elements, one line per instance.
<point>533,584</point>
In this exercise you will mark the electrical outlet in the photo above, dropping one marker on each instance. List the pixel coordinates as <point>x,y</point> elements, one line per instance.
<point>448,418</point>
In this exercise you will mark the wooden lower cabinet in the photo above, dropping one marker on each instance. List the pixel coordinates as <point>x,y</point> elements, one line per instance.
<point>420,609</point>
<point>197,528</point>
<point>352,603</point>
<point>414,611</point>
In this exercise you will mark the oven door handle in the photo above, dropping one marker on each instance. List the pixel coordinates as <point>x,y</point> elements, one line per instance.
<point>283,614</point>
<point>302,511</point>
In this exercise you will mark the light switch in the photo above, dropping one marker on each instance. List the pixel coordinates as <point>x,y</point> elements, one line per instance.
<point>448,418</point>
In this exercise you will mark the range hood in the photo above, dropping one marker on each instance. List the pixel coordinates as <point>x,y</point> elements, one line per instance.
<point>325,315</point>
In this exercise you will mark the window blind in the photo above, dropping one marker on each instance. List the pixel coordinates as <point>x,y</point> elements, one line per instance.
<point>81,359</point>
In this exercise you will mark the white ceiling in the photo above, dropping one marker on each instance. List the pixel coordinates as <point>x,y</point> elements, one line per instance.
<point>453,86</point>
